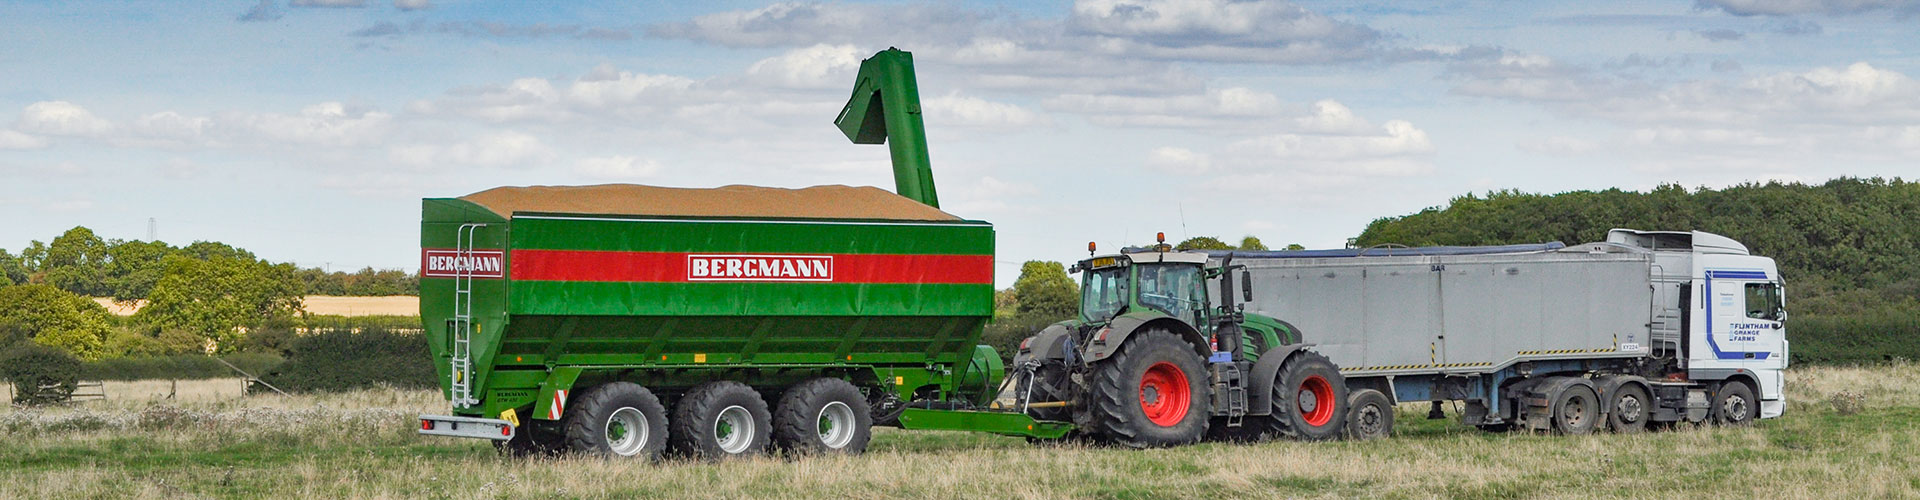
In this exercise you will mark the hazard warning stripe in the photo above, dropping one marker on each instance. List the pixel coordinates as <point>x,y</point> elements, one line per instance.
<point>558,406</point>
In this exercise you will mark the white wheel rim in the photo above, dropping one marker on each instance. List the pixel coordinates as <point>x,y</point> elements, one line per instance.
<point>836,425</point>
<point>733,429</point>
<point>632,430</point>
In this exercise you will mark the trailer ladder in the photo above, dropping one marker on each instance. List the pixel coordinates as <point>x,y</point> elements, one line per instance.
<point>461,390</point>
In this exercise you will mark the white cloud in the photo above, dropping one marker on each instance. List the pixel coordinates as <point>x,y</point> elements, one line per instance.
<point>1213,107</point>
<point>412,4</point>
<point>616,168</point>
<point>329,3</point>
<point>326,124</point>
<point>957,110</point>
<point>797,24</point>
<point>14,140</point>
<point>1398,149</point>
<point>1331,117</point>
<point>1178,160</point>
<point>499,149</point>
<point>1797,7</point>
<point>821,66</point>
<point>61,118</point>
<point>1220,30</point>
<point>1558,145</point>
<point>987,194</point>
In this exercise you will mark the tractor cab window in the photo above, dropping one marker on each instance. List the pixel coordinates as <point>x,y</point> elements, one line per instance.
<point>1763,302</point>
<point>1104,293</point>
<point>1171,289</point>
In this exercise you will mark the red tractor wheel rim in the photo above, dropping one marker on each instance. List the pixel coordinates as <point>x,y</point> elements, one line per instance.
<point>1319,410</point>
<point>1164,394</point>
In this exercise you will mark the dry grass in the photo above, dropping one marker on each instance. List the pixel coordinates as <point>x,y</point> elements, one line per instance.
<point>361,445</point>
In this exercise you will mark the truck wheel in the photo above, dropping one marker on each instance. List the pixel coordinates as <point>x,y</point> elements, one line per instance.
<point>1733,404</point>
<point>1151,393</point>
<point>1575,410</point>
<point>1627,414</point>
<point>823,415</point>
<point>1310,398</point>
<point>1369,415</point>
<point>616,419</point>
<point>720,420</point>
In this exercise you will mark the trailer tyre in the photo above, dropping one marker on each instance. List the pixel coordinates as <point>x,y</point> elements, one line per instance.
<point>1369,415</point>
<point>1575,410</point>
<point>1627,411</point>
<point>616,419</point>
<point>1153,392</point>
<point>820,416</point>
<point>1310,398</point>
<point>721,420</point>
<point>1734,404</point>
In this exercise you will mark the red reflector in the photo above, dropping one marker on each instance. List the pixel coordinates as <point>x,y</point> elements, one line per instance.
<point>426,425</point>
<point>506,430</point>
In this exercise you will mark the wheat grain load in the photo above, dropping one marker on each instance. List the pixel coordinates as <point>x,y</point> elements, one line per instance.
<point>823,202</point>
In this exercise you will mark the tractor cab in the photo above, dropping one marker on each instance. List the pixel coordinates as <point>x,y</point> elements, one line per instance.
<point>1164,282</point>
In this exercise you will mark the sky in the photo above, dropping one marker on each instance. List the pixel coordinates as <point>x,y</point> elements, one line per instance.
<point>308,130</point>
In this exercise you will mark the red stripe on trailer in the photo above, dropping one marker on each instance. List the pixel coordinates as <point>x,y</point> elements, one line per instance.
<point>685,267</point>
<point>559,404</point>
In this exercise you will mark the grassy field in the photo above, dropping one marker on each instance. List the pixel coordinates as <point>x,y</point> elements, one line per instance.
<point>207,443</point>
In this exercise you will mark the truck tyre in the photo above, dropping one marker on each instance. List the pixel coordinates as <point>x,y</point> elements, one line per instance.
<point>821,416</point>
<point>616,419</point>
<point>1627,411</point>
<point>1369,415</point>
<point>1153,392</point>
<point>1734,404</point>
<point>1575,410</point>
<point>720,420</point>
<point>1310,398</point>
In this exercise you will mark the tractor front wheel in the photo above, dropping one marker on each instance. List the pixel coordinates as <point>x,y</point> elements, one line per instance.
<point>1151,393</point>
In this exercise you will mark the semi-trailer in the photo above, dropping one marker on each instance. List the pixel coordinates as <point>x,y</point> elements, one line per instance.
<point>1644,328</point>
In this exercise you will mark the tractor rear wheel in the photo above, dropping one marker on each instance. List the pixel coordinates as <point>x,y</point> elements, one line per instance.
<point>616,419</point>
<point>822,415</point>
<point>1369,415</point>
<point>1153,392</point>
<point>721,420</point>
<point>1310,398</point>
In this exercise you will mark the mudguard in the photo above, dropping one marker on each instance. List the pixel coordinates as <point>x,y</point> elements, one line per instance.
<point>1260,378</point>
<point>1050,343</point>
<point>1099,348</point>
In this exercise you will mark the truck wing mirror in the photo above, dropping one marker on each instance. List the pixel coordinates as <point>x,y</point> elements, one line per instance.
<point>1246,286</point>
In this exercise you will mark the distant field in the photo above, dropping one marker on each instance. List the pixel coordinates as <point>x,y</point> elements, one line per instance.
<point>401,305</point>
<point>362,445</point>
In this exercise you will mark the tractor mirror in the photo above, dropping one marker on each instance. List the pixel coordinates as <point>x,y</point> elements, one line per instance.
<point>1246,286</point>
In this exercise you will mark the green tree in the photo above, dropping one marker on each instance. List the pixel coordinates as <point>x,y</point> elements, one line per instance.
<point>208,250</point>
<point>11,271</point>
<point>1203,243</point>
<point>1296,246</point>
<point>56,318</point>
<point>133,267</point>
<point>1044,290</point>
<point>76,262</point>
<point>1251,243</point>
<point>219,297</point>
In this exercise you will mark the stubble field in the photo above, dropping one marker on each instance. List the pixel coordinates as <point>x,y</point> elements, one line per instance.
<point>208,442</point>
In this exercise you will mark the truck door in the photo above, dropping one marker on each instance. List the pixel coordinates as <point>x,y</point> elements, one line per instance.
<point>1743,316</point>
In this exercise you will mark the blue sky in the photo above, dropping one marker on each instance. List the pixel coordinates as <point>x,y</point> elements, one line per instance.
<point>308,130</point>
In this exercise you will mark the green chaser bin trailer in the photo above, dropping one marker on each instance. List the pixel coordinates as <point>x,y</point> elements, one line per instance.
<point>626,320</point>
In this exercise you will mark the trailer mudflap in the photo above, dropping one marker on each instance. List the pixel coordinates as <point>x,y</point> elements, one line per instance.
<point>996,422</point>
<point>466,427</point>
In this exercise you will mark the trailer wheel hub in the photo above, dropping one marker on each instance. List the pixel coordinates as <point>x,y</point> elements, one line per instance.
<point>1164,394</point>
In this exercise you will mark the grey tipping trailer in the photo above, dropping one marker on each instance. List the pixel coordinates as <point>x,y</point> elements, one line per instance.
<point>1601,335</point>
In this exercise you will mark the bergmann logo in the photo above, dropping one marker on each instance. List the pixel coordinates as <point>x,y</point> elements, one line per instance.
<point>452,264</point>
<point>759,268</point>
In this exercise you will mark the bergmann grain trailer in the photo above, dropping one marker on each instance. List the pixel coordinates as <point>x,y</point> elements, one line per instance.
<point>624,320</point>
<point>1643,328</point>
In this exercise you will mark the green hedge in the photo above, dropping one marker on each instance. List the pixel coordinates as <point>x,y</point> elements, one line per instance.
<point>1867,337</point>
<point>338,360</point>
<point>333,322</point>
<point>181,367</point>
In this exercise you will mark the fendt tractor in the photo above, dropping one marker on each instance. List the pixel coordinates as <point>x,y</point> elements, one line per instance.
<point>1645,328</point>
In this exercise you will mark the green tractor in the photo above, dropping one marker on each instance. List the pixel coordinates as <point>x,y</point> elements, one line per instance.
<point>1151,361</point>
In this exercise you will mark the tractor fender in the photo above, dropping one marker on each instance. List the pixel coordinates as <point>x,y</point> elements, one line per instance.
<point>1260,378</point>
<point>1126,325</point>
<point>1050,343</point>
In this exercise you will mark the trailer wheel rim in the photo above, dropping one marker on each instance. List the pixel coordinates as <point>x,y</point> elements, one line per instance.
<point>733,429</point>
<point>626,431</point>
<point>1315,400</point>
<point>1164,394</point>
<point>836,425</point>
